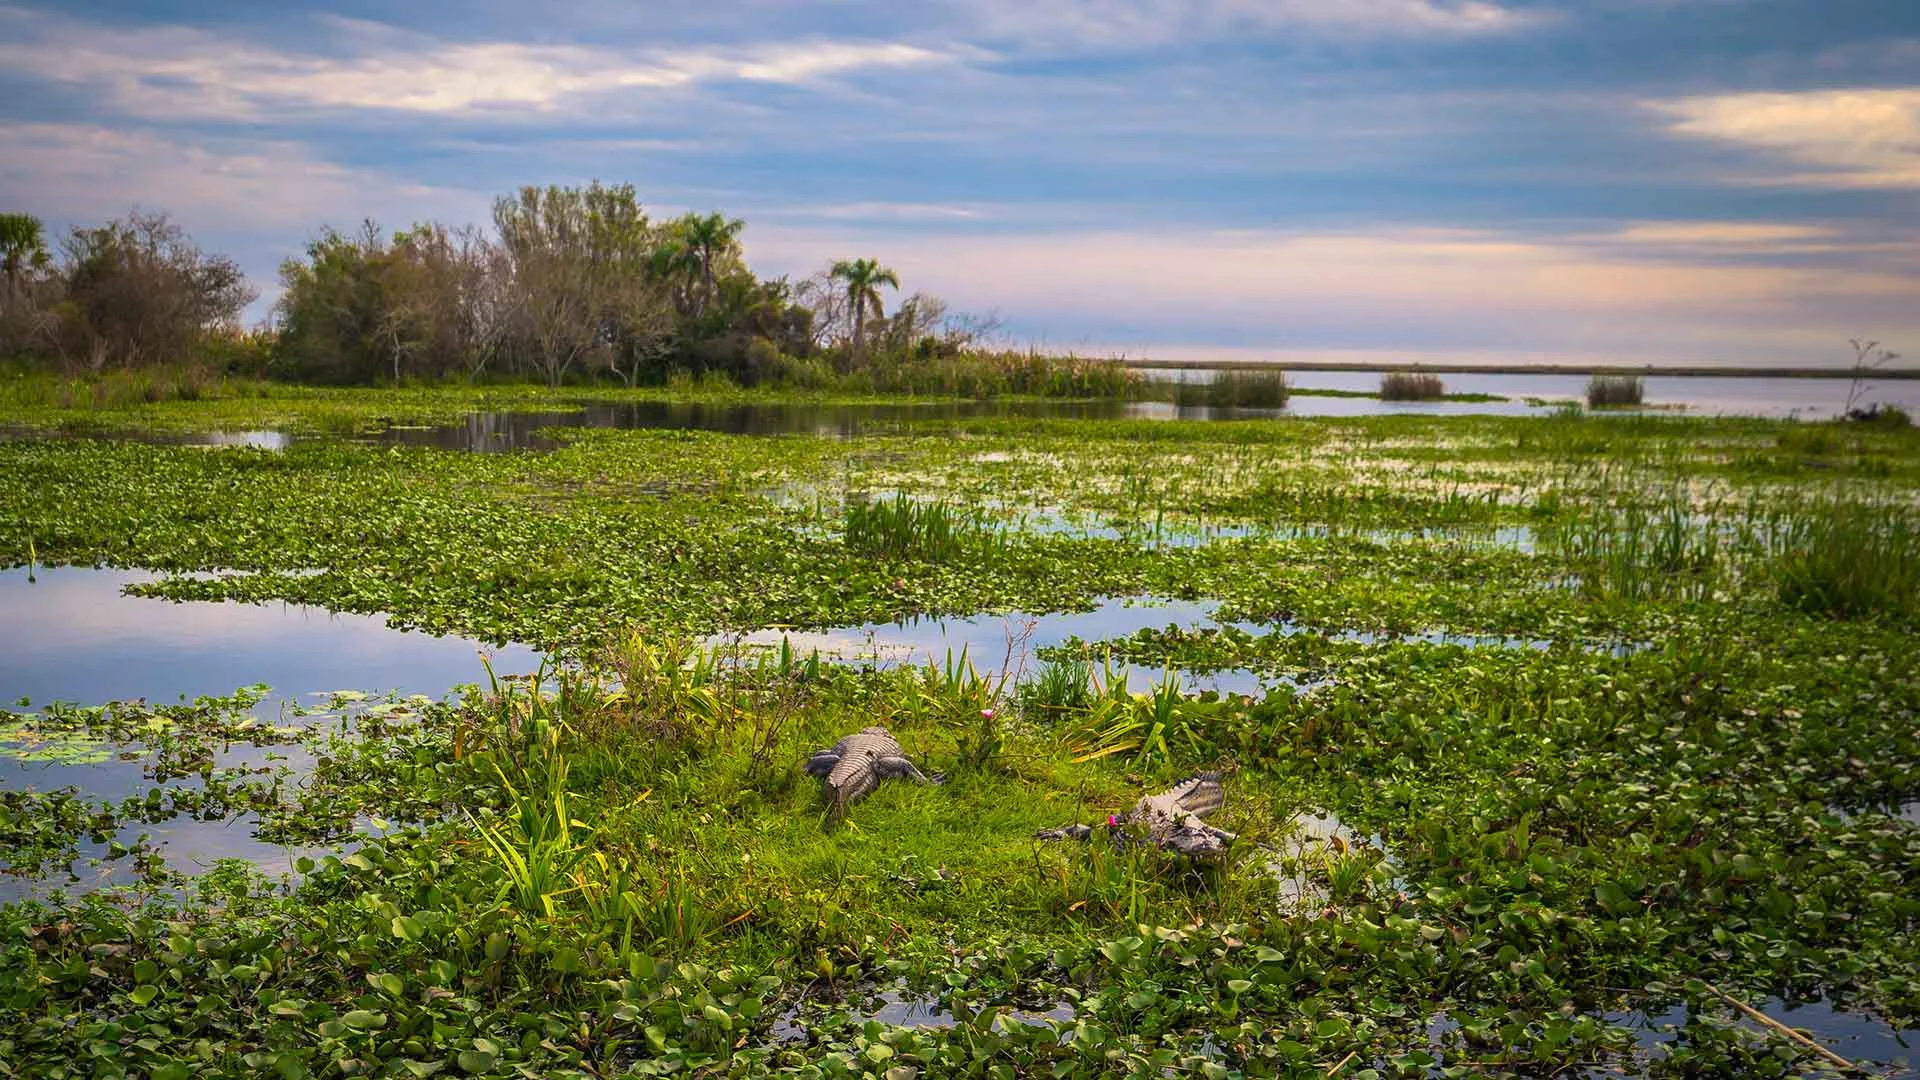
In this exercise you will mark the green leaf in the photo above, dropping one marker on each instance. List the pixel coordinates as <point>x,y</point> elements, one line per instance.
<point>141,995</point>
<point>364,1020</point>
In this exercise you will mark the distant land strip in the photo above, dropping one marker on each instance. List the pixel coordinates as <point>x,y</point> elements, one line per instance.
<point>1720,371</point>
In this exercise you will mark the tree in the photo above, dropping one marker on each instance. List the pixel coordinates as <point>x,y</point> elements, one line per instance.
<point>23,249</point>
<point>864,277</point>
<point>581,261</point>
<point>138,291</point>
<point>709,238</point>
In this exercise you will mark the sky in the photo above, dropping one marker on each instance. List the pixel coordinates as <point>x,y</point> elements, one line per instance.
<point>1504,180</point>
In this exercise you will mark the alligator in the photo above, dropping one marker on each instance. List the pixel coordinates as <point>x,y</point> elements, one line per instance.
<point>1171,819</point>
<point>855,765</point>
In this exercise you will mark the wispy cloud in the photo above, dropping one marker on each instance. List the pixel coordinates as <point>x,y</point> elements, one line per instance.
<point>1081,24</point>
<point>172,71</point>
<point>1715,234</point>
<point>1838,138</point>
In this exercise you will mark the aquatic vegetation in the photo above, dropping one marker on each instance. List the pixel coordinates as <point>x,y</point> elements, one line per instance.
<point>1608,708</point>
<point>902,528</point>
<point>1236,390</point>
<point>1411,386</point>
<point>1848,558</point>
<point>1604,390</point>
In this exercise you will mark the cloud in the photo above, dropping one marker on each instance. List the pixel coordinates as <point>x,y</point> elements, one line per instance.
<point>171,72</point>
<point>1077,24</point>
<point>1844,138</point>
<point>1737,234</point>
<point>85,173</point>
<point>1412,287</point>
<point>884,211</point>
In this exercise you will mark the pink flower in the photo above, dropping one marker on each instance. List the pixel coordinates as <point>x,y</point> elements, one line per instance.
<point>986,714</point>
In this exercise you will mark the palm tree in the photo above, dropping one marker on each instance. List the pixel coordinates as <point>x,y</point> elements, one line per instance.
<point>22,246</point>
<point>707,238</point>
<point>864,278</point>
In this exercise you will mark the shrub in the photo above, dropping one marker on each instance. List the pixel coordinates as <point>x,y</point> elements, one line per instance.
<point>1615,390</point>
<point>1411,386</point>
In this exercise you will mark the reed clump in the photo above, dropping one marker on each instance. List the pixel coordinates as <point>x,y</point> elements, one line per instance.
<point>1237,390</point>
<point>1607,390</point>
<point>901,527</point>
<point>1411,386</point>
<point>1848,558</point>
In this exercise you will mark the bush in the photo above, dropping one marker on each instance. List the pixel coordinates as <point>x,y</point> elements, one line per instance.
<point>1605,390</point>
<point>1886,416</point>
<point>1411,386</point>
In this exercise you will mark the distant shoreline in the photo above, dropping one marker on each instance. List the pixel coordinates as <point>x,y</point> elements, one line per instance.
<point>1727,372</point>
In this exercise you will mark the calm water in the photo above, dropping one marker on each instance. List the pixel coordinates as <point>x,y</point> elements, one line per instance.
<point>997,644</point>
<point>73,636</point>
<point>1812,399</point>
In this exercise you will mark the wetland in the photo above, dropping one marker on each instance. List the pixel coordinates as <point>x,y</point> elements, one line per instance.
<point>459,731</point>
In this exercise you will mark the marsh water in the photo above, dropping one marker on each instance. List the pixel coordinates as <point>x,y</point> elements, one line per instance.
<point>74,636</point>
<point>1710,395</point>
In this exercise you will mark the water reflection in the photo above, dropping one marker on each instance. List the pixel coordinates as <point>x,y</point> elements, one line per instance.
<point>1006,644</point>
<point>1863,1039</point>
<point>72,635</point>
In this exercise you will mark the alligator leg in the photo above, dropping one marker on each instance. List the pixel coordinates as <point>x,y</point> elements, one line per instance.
<point>822,762</point>
<point>899,768</point>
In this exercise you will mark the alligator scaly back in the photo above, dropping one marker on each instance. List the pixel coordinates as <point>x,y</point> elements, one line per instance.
<point>855,765</point>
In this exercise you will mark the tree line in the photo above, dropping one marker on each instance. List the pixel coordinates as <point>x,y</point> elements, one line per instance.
<point>565,284</point>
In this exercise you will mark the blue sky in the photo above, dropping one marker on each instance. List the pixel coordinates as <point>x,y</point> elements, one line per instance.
<point>1641,180</point>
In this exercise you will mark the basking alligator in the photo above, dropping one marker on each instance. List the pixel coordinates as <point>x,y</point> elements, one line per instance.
<point>1172,819</point>
<point>856,765</point>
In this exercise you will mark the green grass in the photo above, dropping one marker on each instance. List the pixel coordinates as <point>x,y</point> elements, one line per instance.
<point>900,527</point>
<point>1848,558</point>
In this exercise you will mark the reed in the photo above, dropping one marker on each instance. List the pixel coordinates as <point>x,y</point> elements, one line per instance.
<point>1610,390</point>
<point>1237,390</point>
<point>902,527</point>
<point>1411,386</point>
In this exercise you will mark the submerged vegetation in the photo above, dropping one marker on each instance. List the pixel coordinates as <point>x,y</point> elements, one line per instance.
<point>1562,723</point>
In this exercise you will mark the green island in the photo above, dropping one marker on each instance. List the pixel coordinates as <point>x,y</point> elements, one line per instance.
<point>1563,745</point>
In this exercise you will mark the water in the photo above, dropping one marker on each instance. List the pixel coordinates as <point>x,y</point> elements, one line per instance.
<point>1005,644</point>
<point>74,636</point>
<point>1811,399</point>
<point>899,1006</point>
<point>1889,1050</point>
<point>498,431</point>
